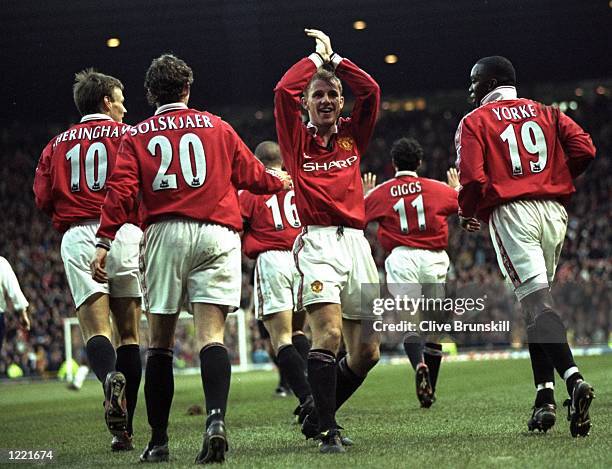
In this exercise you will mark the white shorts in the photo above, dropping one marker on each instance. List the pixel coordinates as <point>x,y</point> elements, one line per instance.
<point>186,261</point>
<point>78,249</point>
<point>275,276</point>
<point>333,266</point>
<point>528,236</point>
<point>408,269</point>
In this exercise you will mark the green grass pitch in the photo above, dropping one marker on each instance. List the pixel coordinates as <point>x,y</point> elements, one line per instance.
<point>479,420</point>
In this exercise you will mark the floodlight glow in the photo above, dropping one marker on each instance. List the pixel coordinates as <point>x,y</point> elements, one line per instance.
<point>391,58</point>
<point>113,42</point>
<point>359,25</point>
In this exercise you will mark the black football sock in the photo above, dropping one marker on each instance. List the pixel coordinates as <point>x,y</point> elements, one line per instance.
<point>432,354</point>
<point>413,346</point>
<point>101,356</point>
<point>282,379</point>
<point>292,365</point>
<point>302,345</point>
<point>571,376</point>
<point>216,372</point>
<point>347,382</point>
<point>322,378</point>
<point>129,363</point>
<point>542,367</point>
<point>545,394</point>
<point>551,335</point>
<point>159,391</point>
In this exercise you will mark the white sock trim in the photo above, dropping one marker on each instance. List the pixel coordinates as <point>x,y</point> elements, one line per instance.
<point>569,372</point>
<point>546,385</point>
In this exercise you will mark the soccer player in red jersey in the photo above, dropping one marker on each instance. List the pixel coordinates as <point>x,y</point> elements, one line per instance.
<point>185,167</point>
<point>70,185</point>
<point>517,159</point>
<point>271,226</point>
<point>412,213</point>
<point>332,256</point>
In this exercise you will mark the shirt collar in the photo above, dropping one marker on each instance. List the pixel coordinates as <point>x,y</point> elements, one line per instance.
<point>313,129</point>
<point>406,173</point>
<point>170,107</point>
<point>498,94</point>
<point>96,117</point>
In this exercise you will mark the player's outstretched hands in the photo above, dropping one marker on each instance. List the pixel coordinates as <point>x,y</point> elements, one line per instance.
<point>323,43</point>
<point>452,178</point>
<point>369,182</point>
<point>98,265</point>
<point>469,224</point>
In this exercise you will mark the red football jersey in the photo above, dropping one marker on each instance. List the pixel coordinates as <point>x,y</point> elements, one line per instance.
<point>327,180</point>
<point>72,174</point>
<point>273,222</point>
<point>184,163</point>
<point>411,211</point>
<point>514,148</point>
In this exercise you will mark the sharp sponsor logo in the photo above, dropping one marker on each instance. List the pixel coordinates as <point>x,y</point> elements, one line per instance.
<point>328,166</point>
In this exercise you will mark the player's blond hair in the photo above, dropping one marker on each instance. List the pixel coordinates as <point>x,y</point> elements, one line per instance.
<point>326,75</point>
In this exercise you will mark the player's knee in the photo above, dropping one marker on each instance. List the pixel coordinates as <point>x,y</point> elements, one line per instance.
<point>329,339</point>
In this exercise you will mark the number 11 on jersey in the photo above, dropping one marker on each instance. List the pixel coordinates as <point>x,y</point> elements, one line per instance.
<point>400,208</point>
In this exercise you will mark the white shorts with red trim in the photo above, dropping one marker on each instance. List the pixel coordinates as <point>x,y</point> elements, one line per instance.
<point>78,249</point>
<point>275,276</point>
<point>335,265</point>
<point>528,236</point>
<point>186,261</point>
<point>408,269</point>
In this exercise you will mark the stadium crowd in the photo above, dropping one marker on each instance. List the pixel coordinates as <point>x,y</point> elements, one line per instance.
<point>583,278</point>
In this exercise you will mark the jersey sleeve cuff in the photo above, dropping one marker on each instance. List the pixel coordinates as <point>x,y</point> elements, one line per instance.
<point>335,60</point>
<point>104,243</point>
<point>316,59</point>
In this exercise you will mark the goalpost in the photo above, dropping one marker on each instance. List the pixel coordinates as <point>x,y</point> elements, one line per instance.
<point>236,325</point>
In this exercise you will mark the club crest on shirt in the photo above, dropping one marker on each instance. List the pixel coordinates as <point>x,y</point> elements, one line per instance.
<point>346,143</point>
<point>316,286</point>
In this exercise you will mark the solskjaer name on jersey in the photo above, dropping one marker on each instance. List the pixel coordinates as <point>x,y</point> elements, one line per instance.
<point>92,133</point>
<point>161,123</point>
<point>329,165</point>
<point>406,188</point>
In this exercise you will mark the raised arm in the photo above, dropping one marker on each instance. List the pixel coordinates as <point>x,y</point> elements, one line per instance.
<point>363,86</point>
<point>288,106</point>
<point>367,99</point>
